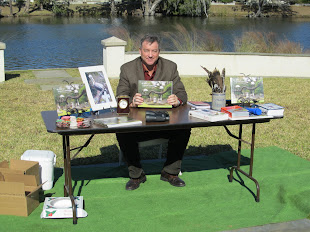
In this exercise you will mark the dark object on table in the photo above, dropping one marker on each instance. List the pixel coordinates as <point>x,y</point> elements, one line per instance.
<point>156,116</point>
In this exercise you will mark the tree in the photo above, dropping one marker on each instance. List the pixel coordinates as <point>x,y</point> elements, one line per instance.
<point>42,3</point>
<point>11,8</point>
<point>149,6</point>
<point>113,8</point>
<point>205,6</point>
<point>187,7</point>
<point>27,6</point>
<point>261,8</point>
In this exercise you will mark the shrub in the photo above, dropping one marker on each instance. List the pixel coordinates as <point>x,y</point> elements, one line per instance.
<point>133,40</point>
<point>194,40</point>
<point>259,42</point>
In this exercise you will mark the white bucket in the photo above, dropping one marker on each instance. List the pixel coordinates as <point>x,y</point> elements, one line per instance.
<point>47,161</point>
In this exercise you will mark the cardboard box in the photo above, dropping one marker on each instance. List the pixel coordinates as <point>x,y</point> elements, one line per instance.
<point>22,167</point>
<point>19,194</point>
<point>19,190</point>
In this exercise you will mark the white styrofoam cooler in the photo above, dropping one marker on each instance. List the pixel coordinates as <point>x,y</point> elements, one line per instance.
<point>47,161</point>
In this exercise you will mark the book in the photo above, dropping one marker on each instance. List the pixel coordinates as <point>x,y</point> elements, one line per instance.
<point>235,111</point>
<point>70,99</point>
<point>251,116</point>
<point>209,115</point>
<point>155,93</point>
<point>246,90</point>
<point>199,104</point>
<point>122,121</point>
<point>271,109</point>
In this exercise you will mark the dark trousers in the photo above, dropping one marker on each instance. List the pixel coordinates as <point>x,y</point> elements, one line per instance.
<point>177,142</point>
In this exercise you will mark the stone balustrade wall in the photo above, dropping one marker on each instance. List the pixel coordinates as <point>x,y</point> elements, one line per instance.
<point>2,71</point>
<point>254,64</point>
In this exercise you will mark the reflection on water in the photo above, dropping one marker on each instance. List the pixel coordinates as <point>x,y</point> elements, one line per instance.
<point>51,42</point>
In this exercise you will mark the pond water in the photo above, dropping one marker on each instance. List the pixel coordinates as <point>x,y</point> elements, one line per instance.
<point>51,42</point>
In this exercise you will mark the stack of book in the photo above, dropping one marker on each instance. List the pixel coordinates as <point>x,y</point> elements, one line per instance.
<point>209,115</point>
<point>235,112</point>
<point>271,109</point>
<point>199,104</point>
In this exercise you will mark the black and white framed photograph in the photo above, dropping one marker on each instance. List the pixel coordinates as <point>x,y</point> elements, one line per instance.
<point>98,87</point>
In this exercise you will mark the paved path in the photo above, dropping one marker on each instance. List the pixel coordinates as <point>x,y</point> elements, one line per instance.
<point>47,79</point>
<point>292,226</point>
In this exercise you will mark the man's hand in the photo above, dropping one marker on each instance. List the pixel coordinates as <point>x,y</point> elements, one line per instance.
<point>173,100</point>
<point>137,100</point>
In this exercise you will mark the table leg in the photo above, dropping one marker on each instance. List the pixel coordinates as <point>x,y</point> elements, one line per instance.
<point>68,178</point>
<point>64,147</point>
<point>249,175</point>
<point>239,146</point>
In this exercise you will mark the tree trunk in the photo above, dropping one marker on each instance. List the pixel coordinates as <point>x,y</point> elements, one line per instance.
<point>260,8</point>
<point>27,6</point>
<point>113,8</point>
<point>41,6</point>
<point>150,6</point>
<point>11,8</point>
<point>203,2</point>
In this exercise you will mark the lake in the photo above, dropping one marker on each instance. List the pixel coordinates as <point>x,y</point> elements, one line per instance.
<point>51,42</point>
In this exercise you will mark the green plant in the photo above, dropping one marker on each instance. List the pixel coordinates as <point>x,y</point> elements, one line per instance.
<point>61,9</point>
<point>267,42</point>
<point>186,7</point>
<point>133,40</point>
<point>193,39</point>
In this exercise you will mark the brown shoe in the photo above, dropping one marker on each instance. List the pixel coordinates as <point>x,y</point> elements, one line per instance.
<point>134,183</point>
<point>172,179</point>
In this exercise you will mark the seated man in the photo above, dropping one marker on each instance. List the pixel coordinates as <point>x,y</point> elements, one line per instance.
<point>150,66</point>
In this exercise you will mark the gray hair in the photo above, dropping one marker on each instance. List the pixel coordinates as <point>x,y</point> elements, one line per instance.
<point>151,39</point>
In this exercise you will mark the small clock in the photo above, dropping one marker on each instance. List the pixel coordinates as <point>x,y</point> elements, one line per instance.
<point>123,104</point>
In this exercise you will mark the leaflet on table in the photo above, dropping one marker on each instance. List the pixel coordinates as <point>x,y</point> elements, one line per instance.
<point>209,115</point>
<point>271,109</point>
<point>122,121</point>
<point>155,93</point>
<point>199,104</point>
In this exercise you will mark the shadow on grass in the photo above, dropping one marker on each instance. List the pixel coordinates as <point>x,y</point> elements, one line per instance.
<point>110,154</point>
<point>196,159</point>
<point>240,180</point>
<point>107,154</point>
<point>200,158</point>
<point>11,76</point>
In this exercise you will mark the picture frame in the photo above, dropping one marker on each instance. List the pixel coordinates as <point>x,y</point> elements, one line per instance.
<point>98,87</point>
<point>71,98</point>
<point>246,90</point>
<point>155,93</point>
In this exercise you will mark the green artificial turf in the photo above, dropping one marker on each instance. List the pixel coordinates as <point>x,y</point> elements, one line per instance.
<point>209,202</point>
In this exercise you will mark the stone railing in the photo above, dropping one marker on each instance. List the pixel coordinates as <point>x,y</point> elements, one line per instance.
<point>264,65</point>
<point>2,71</point>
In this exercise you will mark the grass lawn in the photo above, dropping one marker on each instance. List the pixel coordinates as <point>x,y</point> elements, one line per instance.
<point>23,128</point>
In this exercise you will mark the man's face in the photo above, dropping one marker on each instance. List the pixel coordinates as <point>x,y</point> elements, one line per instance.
<point>149,52</point>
